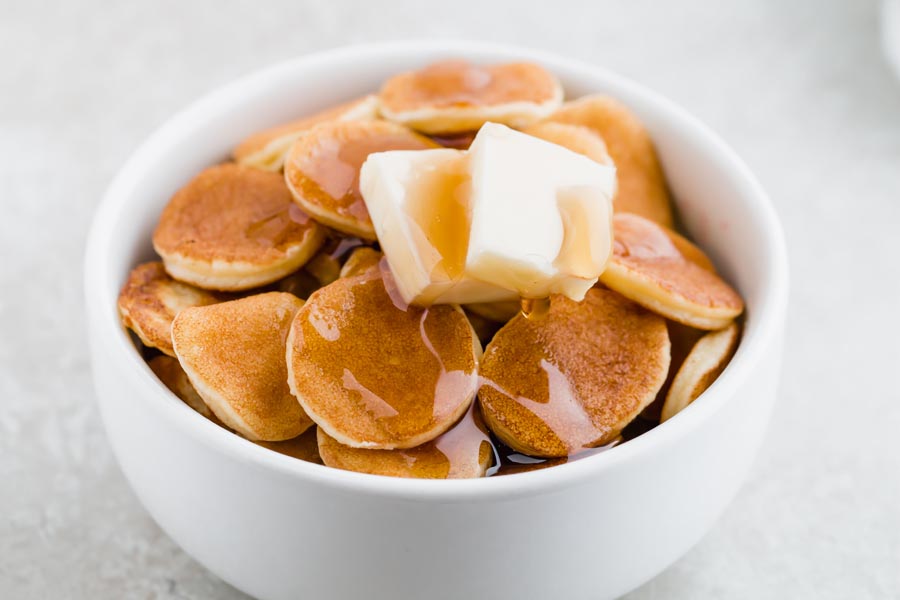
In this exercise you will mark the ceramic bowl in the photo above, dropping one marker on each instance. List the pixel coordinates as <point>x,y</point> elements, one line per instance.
<point>276,527</point>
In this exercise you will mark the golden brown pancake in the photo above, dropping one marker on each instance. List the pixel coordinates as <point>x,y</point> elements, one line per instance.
<point>701,368</point>
<point>169,371</point>
<point>303,447</point>
<point>374,373</point>
<point>662,271</point>
<point>322,169</point>
<point>642,185</point>
<point>149,301</point>
<point>324,267</point>
<point>457,96</point>
<point>233,353</point>
<point>360,260</point>
<point>234,228</point>
<point>464,451</point>
<point>574,378</point>
<point>682,339</point>
<point>266,149</point>
<point>576,138</point>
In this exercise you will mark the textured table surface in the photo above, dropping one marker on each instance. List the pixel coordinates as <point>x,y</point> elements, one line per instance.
<point>798,88</point>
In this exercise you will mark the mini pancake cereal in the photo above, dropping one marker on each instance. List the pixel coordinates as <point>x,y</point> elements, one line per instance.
<point>233,353</point>
<point>360,260</point>
<point>234,228</point>
<point>170,373</point>
<point>149,301</point>
<point>267,149</point>
<point>705,362</point>
<point>666,273</point>
<point>573,379</point>
<point>463,452</point>
<point>382,375</point>
<point>462,274</point>
<point>642,184</point>
<point>456,96</point>
<point>322,169</point>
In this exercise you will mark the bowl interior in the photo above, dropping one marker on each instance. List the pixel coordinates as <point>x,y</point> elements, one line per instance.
<point>720,203</point>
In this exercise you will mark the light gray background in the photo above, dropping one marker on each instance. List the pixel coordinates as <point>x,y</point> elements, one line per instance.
<point>798,88</point>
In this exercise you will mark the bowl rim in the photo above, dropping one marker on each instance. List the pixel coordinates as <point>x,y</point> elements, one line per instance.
<point>768,313</point>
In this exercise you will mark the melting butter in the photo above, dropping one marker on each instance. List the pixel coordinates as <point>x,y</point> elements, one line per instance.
<point>514,216</point>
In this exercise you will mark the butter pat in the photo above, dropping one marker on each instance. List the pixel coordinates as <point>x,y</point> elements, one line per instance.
<point>514,216</point>
<point>419,203</point>
<point>541,215</point>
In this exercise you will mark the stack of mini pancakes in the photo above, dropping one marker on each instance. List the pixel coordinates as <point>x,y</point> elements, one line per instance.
<point>272,313</point>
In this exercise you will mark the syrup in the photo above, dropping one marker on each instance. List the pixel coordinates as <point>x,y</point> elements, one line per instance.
<point>535,308</point>
<point>453,82</point>
<point>388,371</point>
<point>439,208</point>
<point>329,170</point>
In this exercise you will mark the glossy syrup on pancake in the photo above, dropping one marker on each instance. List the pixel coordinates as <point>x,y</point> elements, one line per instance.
<point>572,379</point>
<point>374,372</point>
<point>233,228</point>
<point>322,169</point>
<point>454,83</point>
<point>465,451</point>
<point>664,272</point>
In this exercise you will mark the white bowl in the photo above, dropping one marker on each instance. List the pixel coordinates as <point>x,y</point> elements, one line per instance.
<point>276,527</point>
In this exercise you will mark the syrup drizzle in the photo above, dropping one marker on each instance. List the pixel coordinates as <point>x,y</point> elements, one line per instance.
<point>332,166</point>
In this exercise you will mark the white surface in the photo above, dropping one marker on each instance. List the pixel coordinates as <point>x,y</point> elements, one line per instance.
<point>282,529</point>
<point>800,89</point>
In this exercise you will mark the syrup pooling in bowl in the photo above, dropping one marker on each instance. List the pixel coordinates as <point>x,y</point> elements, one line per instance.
<point>464,451</point>
<point>274,228</point>
<point>497,199</point>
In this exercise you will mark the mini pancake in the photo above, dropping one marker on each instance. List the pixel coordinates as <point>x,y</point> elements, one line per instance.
<point>500,312</point>
<point>324,267</point>
<point>576,138</point>
<point>574,378</point>
<point>169,371</point>
<point>234,228</point>
<point>703,365</point>
<point>666,273</point>
<point>233,353</point>
<point>303,447</point>
<point>361,260</point>
<point>682,339</point>
<point>456,96</point>
<point>322,169</point>
<point>149,301</point>
<point>375,373</point>
<point>266,149</point>
<point>642,185</point>
<point>465,451</point>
